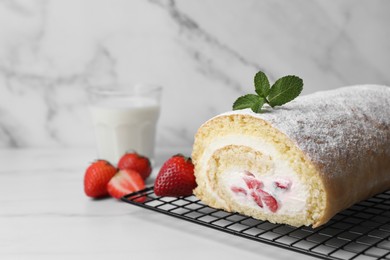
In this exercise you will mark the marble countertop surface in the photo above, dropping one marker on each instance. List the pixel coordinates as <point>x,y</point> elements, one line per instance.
<point>44,214</point>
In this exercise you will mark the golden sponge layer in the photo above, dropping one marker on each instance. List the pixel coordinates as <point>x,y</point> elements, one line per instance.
<point>245,158</point>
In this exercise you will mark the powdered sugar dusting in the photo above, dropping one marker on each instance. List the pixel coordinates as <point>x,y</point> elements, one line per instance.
<point>341,125</point>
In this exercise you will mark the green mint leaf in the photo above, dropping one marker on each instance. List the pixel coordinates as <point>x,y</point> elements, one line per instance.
<point>284,90</point>
<point>251,101</point>
<point>262,85</point>
<point>256,107</point>
<point>246,101</point>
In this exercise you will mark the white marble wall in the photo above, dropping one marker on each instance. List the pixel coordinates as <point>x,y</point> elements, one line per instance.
<point>203,52</point>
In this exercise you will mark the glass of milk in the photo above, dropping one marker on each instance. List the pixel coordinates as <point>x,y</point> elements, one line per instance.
<point>125,119</point>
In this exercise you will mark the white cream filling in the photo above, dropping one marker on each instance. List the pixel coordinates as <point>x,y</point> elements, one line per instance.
<point>290,202</point>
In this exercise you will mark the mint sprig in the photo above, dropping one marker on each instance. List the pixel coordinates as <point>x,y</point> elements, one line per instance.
<point>281,92</point>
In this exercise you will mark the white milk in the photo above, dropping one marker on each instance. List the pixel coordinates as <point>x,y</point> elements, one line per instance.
<point>125,124</point>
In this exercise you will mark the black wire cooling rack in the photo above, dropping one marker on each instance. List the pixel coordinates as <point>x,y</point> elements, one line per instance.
<point>360,232</point>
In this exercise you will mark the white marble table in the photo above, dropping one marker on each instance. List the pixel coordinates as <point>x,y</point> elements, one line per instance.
<point>44,214</point>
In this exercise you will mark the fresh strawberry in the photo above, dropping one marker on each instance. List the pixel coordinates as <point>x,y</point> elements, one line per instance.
<point>136,162</point>
<point>124,182</point>
<point>96,177</point>
<point>176,177</point>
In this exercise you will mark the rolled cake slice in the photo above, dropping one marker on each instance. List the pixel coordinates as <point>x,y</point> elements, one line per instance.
<point>299,164</point>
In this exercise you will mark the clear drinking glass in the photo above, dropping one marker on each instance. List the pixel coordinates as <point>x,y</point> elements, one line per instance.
<point>125,119</point>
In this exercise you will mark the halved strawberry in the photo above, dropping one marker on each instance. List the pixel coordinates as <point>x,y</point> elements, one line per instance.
<point>124,182</point>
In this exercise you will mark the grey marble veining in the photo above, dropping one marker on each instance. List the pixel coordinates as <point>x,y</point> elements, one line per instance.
<point>204,53</point>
